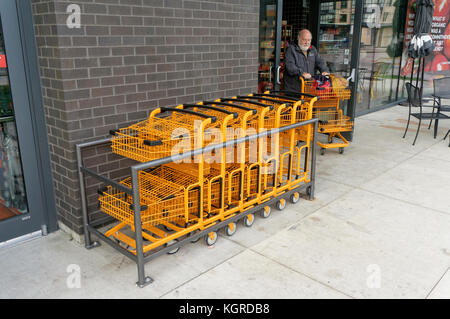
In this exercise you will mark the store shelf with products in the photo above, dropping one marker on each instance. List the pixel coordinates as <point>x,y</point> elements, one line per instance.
<point>286,38</point>
<point>334,46</point>
<point>267,53</point>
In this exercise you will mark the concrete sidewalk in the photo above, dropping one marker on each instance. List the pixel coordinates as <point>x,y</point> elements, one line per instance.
<point>378,228</point>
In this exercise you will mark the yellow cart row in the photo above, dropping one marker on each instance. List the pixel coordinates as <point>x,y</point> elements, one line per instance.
<point>204,167</point>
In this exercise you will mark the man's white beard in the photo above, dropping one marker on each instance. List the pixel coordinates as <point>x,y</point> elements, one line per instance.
<point>304,48</point>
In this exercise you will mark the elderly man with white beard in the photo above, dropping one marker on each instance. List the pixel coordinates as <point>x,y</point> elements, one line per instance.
<point>302,60</point>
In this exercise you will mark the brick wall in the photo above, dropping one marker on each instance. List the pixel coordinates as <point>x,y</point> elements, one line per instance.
<point>128,57</point>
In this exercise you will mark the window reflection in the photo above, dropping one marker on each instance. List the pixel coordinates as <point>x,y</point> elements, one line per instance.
<point>382,37</point>
<point>335,35</point>
<point>12,187</point>
<point>267,32</point>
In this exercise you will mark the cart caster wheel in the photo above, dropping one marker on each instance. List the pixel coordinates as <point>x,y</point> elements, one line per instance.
<point>192,234</point>
<point>115,240</point>
<point>322,151</point>
<point>175,250</point>
<point>211,238</point>
<point>281,204</point>
<point>249,220</point>
<point>294,198</point>
<point>341,150</point>
<point>230,229</point>
<point>265,213</point>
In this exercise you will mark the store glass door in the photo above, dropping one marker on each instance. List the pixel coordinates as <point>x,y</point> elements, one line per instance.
<point>338,41</point>
<point>269,45</point>
<point>382,35</point>
<point>20,201</point>
<point>336,23</point>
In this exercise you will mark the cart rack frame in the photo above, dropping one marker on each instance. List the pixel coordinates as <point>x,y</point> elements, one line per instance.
<point>141,258</point>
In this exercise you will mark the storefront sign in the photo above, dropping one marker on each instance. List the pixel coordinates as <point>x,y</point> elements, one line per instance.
<point>439,60</point>
<point>440,33</point>
<point>409,31</point>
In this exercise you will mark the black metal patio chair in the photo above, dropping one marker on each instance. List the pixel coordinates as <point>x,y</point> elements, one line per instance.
<point>448,132</point>
<point>415,100</point>
<point>441,90</point>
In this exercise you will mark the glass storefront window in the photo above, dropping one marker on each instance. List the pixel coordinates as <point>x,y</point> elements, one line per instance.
<point>335,35</point>
<point>13,200</point>
<point>437,64</point>
<point>382,37</point>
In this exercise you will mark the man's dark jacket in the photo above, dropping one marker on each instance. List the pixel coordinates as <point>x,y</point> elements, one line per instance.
<point>296,64</point>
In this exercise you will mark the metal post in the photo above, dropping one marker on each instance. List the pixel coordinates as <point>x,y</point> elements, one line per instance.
<point>142,280</point>
<point>313,162</point>
<point>421,77</point>
<point>412,71</point>
<point>418,72</point>
<point>279,17</point>
<point>87,236</point>
<point>398,77</point>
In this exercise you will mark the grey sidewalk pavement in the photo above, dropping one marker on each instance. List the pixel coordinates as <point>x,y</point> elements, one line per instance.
<point>378,228</point>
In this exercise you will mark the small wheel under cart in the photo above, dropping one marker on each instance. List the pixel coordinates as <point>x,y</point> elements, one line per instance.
<point>281,204</point>
<point>175,250</point>
<point>192,235</point>
<point>341,150</point>
<point>249,220</point>
<point>330,138</point>
<point>211,238</point>
<point>294,198</point>
<point>230,229</point>
<point>266,211</point>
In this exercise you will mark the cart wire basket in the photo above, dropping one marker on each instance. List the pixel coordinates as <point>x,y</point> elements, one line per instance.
<point>158,137</point>
<point>333,121</point>
<point>339,88</point>
<point>163,195</point>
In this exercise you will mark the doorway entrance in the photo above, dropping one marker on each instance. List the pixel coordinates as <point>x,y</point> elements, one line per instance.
<point>24,172</point>
<point>360,40</point>
<point>336,30</point>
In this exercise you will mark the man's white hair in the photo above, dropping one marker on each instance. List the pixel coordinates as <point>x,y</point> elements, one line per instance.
<point>301,32</point>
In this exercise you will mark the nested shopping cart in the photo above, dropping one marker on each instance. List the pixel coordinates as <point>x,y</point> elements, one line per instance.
<point>236,158</point>
<point>241,165</point>
<point>182,128</point>
<point>168,197</point>
<point>332,121</point>
<point>161,134</point>
<point>295,146</point>
<point>229,185</point>
<point>236,183</point>
<point>282,169</point>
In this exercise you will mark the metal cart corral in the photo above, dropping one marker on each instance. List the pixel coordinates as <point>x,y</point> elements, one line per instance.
<point>156,230</point>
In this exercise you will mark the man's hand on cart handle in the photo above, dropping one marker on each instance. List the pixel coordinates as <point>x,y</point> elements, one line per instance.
<point>307,76</point>
<point>325,73</point>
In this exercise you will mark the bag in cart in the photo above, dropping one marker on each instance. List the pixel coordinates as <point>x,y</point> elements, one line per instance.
<point>322,83</point>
